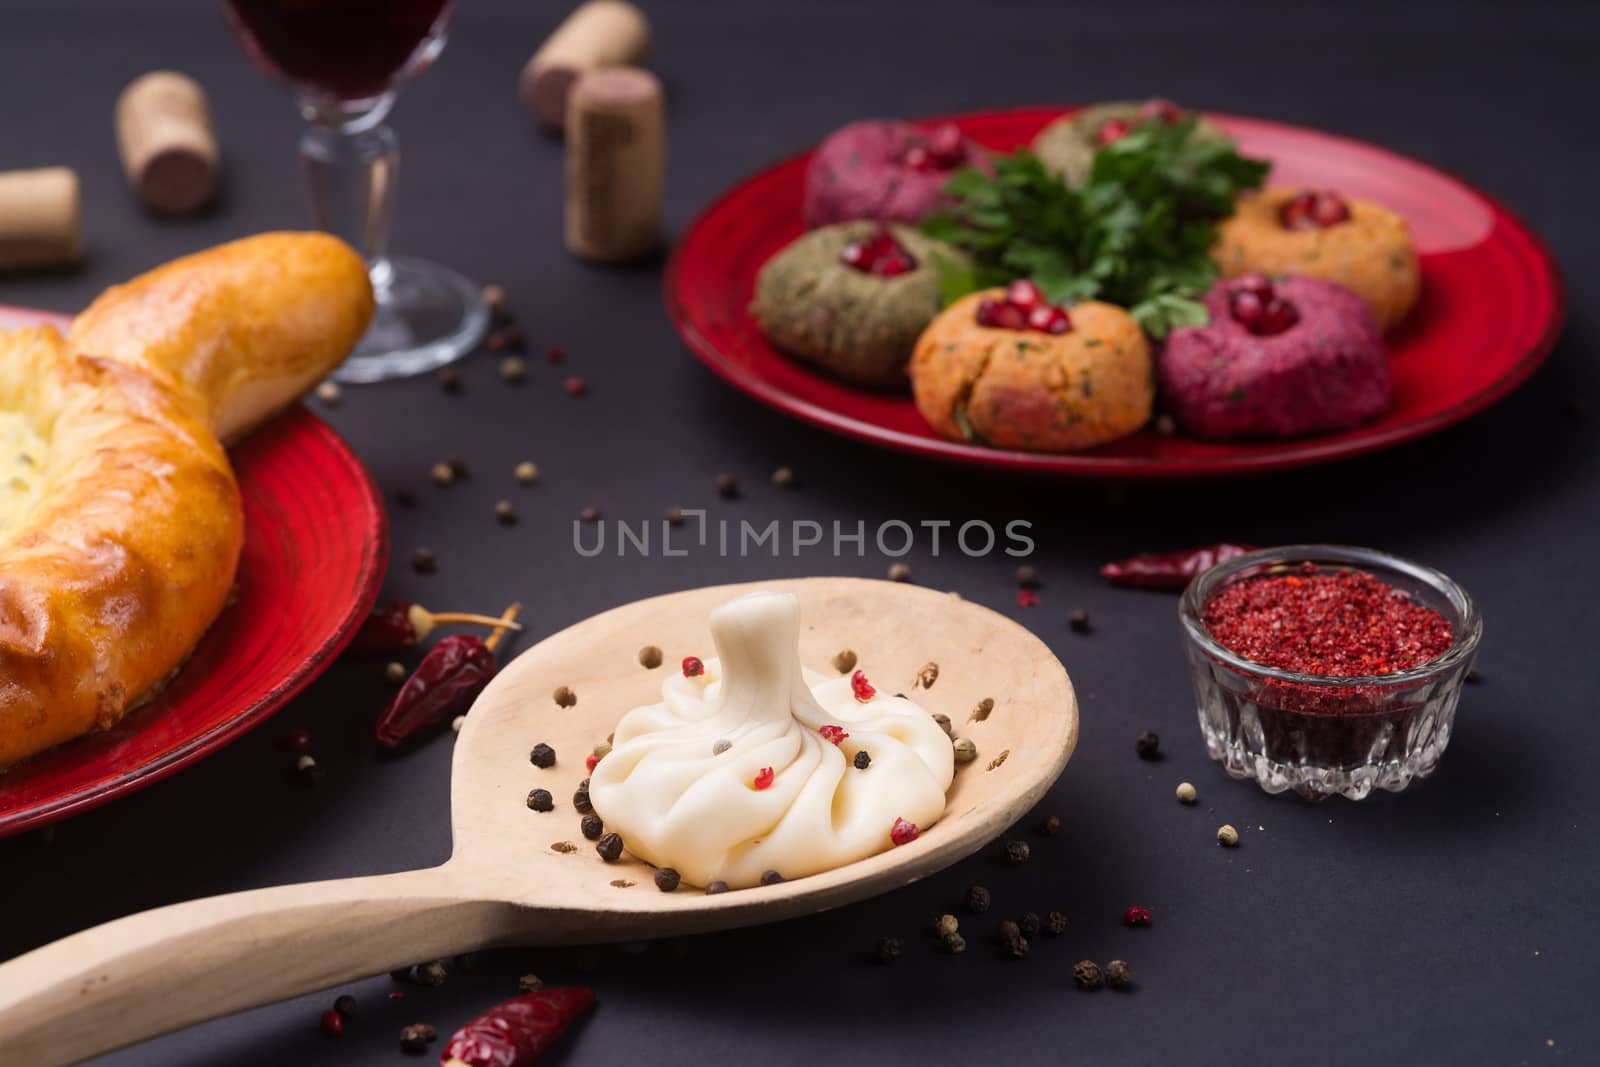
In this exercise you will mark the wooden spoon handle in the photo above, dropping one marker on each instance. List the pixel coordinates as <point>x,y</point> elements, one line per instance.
<point>159,970</point>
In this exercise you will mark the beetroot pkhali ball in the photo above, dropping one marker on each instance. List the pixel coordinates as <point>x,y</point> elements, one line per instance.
<point>885,169</point>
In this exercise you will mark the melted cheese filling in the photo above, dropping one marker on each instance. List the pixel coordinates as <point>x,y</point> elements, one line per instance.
<point>23,457</point>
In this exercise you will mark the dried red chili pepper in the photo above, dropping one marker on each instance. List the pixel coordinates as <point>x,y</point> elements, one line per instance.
<point>399,625</point>
<point>443,684</point>
<point>1169,570</point>
<point>517,1032</point>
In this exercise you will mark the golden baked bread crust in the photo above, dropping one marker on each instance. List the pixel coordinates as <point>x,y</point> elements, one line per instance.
<point>126,549</point>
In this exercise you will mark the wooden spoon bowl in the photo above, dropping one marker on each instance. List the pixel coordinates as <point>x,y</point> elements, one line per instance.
<point>517,876</point>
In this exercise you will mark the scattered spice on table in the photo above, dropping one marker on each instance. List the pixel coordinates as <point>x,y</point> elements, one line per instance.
<point>1118,974</point>
<point>394,672</point>
<point>965,749</point>
<point>667,879</point>
<point>1055,923</point>
<point>1087,974</point>
<point>402,974</point>
<point>345,1005</point>
<point>542,756</point>
<point>888,949</point>
<point>513,369</point>
<point>296,740</point>
<point>1012,944</point>
<point>526,472</point>
<point>1227,836</point>
<point>494,299</point>
<point>444,683</point>
<point>1166,425</point>
<point>945,925</point>
<point>771,878</point>
<point>609,847</point>
<point>1186,793</point>
<point>783,478</point>
<point>1341,623</point>
<point>330,393</point>
<point>675,516</point>
<point>564,696</point>
<point>1148,744</point>
<point>589,514</point>
<point>1016,853</point>
<point>554,353</point>
<point>458,466</point>
<point>517,1032</point>
<point>1136,915</point>
<point>566,848</point>
<point>955,944</point>
<point>505,512</point>
<point>405,498</point>
<point>899,572</point>
<point>510,338</point>
<point>450,380</point>
<point>529,983</point>
<point>457,723</point>
<point>415,1039</point>
<point>649,657</point>
<point>1027,598</point>
<point>332,1022</point>
<point>977,900</point>
<point>727,486</point>
<point>715,887</point>
<point>1050,825</point>
<point>308,771</point>
<point>423,561</point>
<point>1027,577</point>
<point>1079,621</point>
<point>400,625</point>
<point>574,385</point>
<point>580,798</point>
<point>1169,570</point>
<point>592,826</point>
<point>1472,676</point>
<point>541,800</point>
<point>1030,924</point>
<point>441,474</point>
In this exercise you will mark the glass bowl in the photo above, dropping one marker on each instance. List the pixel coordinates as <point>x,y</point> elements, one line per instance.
<point>1321,735</point>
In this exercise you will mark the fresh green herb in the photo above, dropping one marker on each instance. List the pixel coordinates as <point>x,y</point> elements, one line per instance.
<point>1138,233</point>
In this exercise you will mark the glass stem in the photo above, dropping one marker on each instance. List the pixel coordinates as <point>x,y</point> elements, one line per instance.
<point>350,175</point>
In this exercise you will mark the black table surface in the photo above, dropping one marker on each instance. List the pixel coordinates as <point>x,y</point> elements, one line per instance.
<point>1450,924</point>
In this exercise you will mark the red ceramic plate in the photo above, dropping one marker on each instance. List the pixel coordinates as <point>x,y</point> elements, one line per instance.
<point>1490,311</point>
<point>315,547</point>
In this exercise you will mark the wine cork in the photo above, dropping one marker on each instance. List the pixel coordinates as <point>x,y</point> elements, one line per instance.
<point>616,149</point>
<point>39,219</point>
<point>600,33</point>
<point>168,150</point>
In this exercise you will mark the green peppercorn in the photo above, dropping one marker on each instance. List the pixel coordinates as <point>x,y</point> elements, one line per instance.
<point>1118,974</point>
<point>431,973</point>
<point>1087,974</point>
<point>966,749</point>
<point>888,949</point>
<point>945,925</point>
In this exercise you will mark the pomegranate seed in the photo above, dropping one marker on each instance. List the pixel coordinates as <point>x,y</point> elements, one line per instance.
<point>1027,598</point>
<point>1136,916</point>
<point>893,266</point>
<point>1010,317</point>
<point>879,254</point>
<point>332,1022</point>
<point>1276,317</point>
<point>575,386</point>
<point>1060,321</point>
<point>764,778</point>
<point>692,667</point>
<point>903,832</point>
<point>296,741</point>
<point>1246,307</point>
<point>1160,110</point>
<point>835,734</point>
<point>1329,209</point>
<point>863,689</point>
<point>1024,294</point>
<point>1111,130</point>
<point>986,312</point>
<point>854,255</point>
<point>919,158</point>
<point>554,354</point>
<point>1254,282</point>
<point>397,994</point>
<point>945,145</point>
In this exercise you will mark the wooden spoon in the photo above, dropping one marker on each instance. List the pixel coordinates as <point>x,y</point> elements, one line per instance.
<point>519,877</point>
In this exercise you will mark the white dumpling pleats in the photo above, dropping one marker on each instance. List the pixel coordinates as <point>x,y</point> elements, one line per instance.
<point>736,772</point>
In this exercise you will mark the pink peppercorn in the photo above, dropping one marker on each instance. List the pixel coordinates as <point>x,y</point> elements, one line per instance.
<point>1136,916</point>
<point>903,832</point>
<point>863,689</point>
<point>764,778</point>
<point>832,733</point>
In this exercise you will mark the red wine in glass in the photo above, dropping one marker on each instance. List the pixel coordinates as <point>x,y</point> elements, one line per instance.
<point>346,49</point>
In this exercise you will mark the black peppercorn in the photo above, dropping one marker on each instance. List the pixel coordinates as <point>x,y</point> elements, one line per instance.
<point>888,949</point>
<point>1008,930</point>
<point>783,477</point>
<point>580,798</point>
<point>431,973</point>
<point>1079,621</point>
<point>713,888</point>
<point>771,878</point>
<point>610,847</point>
<point>415,1039</point>
<point>541,800</point>
<point>505,512</point>
<point>899,572</point>
<point>458,466</point>
<point>1027,577</point>
<point>422,561</point>
<point>1118,974</point>
<point>862,760</point>
<point>530,983</point>
<point>1087,974</point>
<point>1055,923</point>
<point>1050,825</point>
<point>345,1006</point>
<point>727,486</point>
<point>1029,924</point>
<point>675,516</point>
<point>1472,676</point>
<point>977,899</point>
<point>1147,745</point>
<point>589,514</point>
<point>405,498</point>
<point>592,827</point>
<point>667,879</point>
<point>402,975</point>
<point>1016,853</point>
<point>1014,948</point>
<point>542,756</point>
<point>450,380</point>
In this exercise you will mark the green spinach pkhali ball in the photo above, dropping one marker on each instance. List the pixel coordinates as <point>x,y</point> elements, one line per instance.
<point>1067,146</point>
<point>851,298</point>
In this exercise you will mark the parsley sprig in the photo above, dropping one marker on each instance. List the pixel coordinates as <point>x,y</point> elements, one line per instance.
<point>1137,233</point>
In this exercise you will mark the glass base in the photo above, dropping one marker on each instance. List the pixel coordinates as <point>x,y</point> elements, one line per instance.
<point>427,316</point>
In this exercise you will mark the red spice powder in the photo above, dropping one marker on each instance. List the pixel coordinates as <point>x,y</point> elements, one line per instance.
<point>1339,624</point>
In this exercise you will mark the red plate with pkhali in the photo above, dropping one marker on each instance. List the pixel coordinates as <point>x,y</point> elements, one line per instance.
<point>315,546</point>
<point>1490,310</point>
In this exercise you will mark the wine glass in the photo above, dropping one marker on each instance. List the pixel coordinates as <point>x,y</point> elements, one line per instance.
<point>345,61</point>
